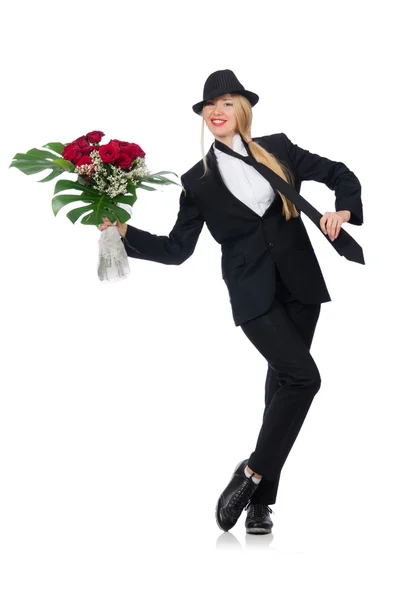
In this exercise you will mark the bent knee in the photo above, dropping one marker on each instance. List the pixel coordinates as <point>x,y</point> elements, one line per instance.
<point>308,378</point>
<point>315,383</point>
<point>313,379</point>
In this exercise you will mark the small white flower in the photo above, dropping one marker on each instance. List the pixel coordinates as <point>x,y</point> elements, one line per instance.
<point>116,183</point>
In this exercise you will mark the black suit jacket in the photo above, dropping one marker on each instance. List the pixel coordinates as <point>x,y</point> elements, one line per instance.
<point>252,244</point>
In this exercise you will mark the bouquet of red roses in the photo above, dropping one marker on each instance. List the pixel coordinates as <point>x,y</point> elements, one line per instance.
<point>107,175</point>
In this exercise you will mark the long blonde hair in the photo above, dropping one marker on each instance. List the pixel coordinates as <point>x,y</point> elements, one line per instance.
<point>243,111</point>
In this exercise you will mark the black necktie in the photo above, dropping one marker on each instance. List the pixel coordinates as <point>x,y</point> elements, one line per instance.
<point>344,244</point>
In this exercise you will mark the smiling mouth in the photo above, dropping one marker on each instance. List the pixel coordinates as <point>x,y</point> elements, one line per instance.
<point>218,122</point>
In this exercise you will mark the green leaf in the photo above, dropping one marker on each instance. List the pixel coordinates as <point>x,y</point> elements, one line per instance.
<point>120,213</point>
<point>36,160</point>
<point>67,165</point>
<point>56,147</point>
<point>126,199</point>
<point>30,168</point>
<point>97,205</point>
<point>95,217</point>
<point>159,179</point>
<point>74,214</point>
<point>65,184</point>
<point>160,173</point>
<point>36,152</point>
<point>59,202</point>
<point>131,188</point>
<point>52,175</point>
<point>145,187</point>
<point>154,179</point>
<point>164,172</point>
<point>30,160</point>
<point>106,209</point>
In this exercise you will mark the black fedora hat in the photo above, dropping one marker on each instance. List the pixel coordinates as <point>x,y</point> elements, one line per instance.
<point>223,82</point>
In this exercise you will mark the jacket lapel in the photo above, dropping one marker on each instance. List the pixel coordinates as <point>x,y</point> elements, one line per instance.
<point>217,180</point>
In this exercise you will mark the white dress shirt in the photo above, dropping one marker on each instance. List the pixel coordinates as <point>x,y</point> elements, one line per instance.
<point>243,180</point>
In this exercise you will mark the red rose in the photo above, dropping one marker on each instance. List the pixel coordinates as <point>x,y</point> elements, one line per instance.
<point>109,153</point>
<point>72,152</point>
<point>94,137</point>
<point>124,161</point>
<point>82,143</point>
<point>133,150</point>
<point>89,149</point>
<point>84,160</point>
<point>125,147</point>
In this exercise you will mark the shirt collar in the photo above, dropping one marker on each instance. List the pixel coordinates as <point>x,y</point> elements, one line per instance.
<point>237,145</point>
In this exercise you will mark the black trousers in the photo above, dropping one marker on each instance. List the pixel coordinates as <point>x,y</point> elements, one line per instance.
<point>283,335</point>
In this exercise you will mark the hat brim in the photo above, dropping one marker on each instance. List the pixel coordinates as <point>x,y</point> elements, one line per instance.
<point>251,96</point>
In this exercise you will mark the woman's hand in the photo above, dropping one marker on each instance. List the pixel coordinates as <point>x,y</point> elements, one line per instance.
<point>122,228</point>
<point>331,222</point>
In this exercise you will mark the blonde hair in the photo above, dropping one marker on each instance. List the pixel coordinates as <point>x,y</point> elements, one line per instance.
<point>243,111</point>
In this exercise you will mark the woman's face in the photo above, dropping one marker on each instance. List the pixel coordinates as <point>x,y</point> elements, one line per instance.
<point>219,116</point>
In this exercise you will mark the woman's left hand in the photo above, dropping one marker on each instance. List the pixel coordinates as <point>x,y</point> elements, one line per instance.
<point>331,222</point>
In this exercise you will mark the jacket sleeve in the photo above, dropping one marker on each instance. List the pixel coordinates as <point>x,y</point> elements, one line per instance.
<point>335,175</point>
<point>180,243</point>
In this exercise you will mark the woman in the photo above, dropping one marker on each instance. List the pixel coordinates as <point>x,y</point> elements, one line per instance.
<point>269,267</point>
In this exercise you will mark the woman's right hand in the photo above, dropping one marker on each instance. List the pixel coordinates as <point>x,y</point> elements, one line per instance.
<point>121,227</point>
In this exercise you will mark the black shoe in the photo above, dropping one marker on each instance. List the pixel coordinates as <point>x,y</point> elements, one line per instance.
<point>258,519</point>
<point>234,497</point>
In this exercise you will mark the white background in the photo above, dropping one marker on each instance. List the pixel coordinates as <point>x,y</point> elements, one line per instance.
<point>125,407</point>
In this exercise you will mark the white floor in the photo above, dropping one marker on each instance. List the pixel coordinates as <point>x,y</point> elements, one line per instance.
<point>91,508</point>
